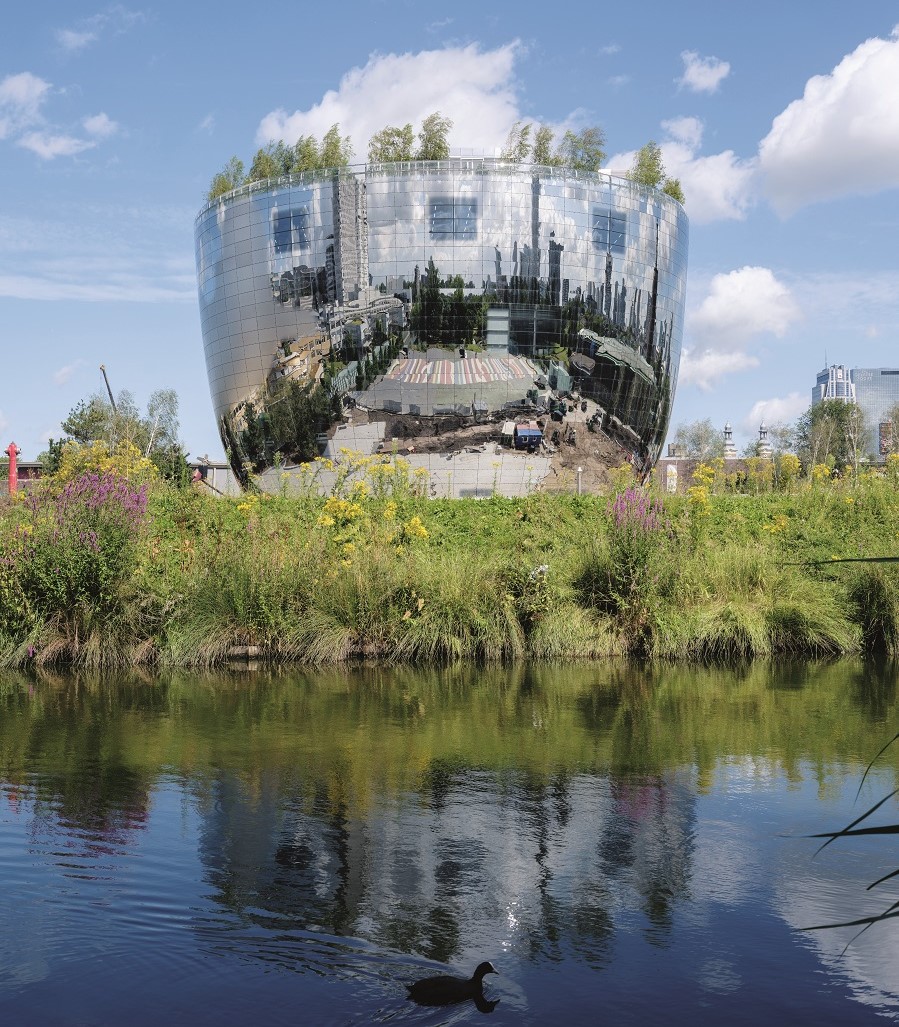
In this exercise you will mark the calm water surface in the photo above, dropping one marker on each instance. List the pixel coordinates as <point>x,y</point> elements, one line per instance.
<point>625,846</point>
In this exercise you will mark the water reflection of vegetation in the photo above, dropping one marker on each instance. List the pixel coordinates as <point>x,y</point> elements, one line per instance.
<point>389,803</point>
<point>410,728</point>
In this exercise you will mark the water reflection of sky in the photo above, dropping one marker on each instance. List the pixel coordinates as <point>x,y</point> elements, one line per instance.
<point>157,882</point>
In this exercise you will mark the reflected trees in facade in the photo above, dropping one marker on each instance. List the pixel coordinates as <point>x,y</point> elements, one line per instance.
<point>361,281</point>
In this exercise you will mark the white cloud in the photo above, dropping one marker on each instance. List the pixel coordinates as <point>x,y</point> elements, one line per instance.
<point>115,19</point>
<point>842,137</point>
<point>100,125</point>
<point>685,130</point>
<point>702,74</point>
<point>617,81</point>
<point>207,125</point>
<point>719,187</point>
<point>609,49</point>
<point>705,368</point>
<point>49,145</point>
<point>777,410</point>
<point>21,97</point>
<point>393,89</point>
<point>72,40</point>
<point>741,305</point>
<point>61,376</point>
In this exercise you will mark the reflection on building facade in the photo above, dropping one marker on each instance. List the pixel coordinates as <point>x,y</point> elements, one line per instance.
<point>312,286</point>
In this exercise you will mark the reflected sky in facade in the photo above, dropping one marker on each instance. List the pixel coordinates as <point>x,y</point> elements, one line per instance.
<point>315,274</point>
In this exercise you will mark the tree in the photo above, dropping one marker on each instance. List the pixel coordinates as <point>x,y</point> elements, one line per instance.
<point>264,164</point>
<point>543,146</point>
<point>271,161</point>
<point>831,432</point>
<point>154,434</point>
<point>391,144</point>
<point>306,155</point>
<point>649,170</point>
<point>432,139</point>
<point>518,143</point>
<point>699,440</point>
<point>230,177</point>
<point>672,188</point>
<point>582,151</point>
<point>336,150</point>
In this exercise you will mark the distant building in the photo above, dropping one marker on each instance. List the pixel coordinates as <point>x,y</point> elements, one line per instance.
<point>834,382</point>
<point>874,389</point>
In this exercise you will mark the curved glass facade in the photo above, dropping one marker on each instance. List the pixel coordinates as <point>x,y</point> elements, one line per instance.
<point>461,287</point>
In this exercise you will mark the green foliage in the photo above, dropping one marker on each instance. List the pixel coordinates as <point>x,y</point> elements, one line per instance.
<point>518,143</point>
<point>391,144</point>
<point>154,433</point>
<point>230,177</point>
<point>831,432</point>
<point>432,137</point>
<point>336,150</point>
<point>648,169</point>
<point>543,145</point>
<point>699,440</point>
<point>583,150</point>
<point>378,570</point>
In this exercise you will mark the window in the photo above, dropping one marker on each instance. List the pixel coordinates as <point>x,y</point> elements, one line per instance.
<point>290,229</point>
<point>609,230</point>
<point>453,218</point>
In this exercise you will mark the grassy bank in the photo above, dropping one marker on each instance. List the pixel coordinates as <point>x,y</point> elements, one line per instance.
<point>101,568</point>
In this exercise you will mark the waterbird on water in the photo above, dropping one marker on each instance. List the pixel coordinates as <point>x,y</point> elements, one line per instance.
<point>444,989</point>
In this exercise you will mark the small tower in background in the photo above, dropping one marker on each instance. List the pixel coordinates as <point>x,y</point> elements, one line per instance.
<point>764,447</point>
<point>730,450</point>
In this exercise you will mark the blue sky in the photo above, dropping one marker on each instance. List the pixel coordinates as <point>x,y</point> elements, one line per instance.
<point>780,119</point>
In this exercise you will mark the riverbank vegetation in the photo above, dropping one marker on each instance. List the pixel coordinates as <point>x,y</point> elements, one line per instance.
<point>107,564</point>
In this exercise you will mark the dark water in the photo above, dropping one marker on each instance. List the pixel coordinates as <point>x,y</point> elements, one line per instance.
<point>626,847</point>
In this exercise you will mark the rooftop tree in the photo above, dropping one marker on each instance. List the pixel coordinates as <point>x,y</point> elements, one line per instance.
<point>391,144</point>
<point>432,138</point>
<point>648,169</point>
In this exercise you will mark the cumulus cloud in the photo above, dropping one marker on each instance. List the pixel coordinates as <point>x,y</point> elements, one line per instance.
<point>49,145</point>
<point>100,126</point>
<point>842,136</point>
<point>21,97</point>
<point>739,307</point>
<point>742,304</point>
<point>777,410</point>
<point>393,89</point>
<point>717,187</point>
<point>704,368</point>
<point>702,74</point>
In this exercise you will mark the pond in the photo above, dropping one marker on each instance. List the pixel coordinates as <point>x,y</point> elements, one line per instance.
<point>625,845</point>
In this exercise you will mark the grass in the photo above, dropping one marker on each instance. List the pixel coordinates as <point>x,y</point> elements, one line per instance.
<point>378,572</point>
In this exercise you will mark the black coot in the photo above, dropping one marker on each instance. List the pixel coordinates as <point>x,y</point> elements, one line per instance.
<point>444,989</point>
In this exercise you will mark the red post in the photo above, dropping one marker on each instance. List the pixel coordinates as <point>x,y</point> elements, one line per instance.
<point>12,451</point>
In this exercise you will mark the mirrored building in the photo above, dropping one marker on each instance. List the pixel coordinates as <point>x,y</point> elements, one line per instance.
<point>464,288</point>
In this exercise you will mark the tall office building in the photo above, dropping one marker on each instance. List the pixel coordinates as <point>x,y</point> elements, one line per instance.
<point>876,392</point>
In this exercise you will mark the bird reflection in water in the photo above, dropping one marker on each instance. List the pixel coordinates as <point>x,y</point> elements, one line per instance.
<point>446,990</point>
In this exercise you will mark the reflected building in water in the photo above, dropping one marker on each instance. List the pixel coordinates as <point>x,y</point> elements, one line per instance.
<point>550,864</point>
<point>314,288</point>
